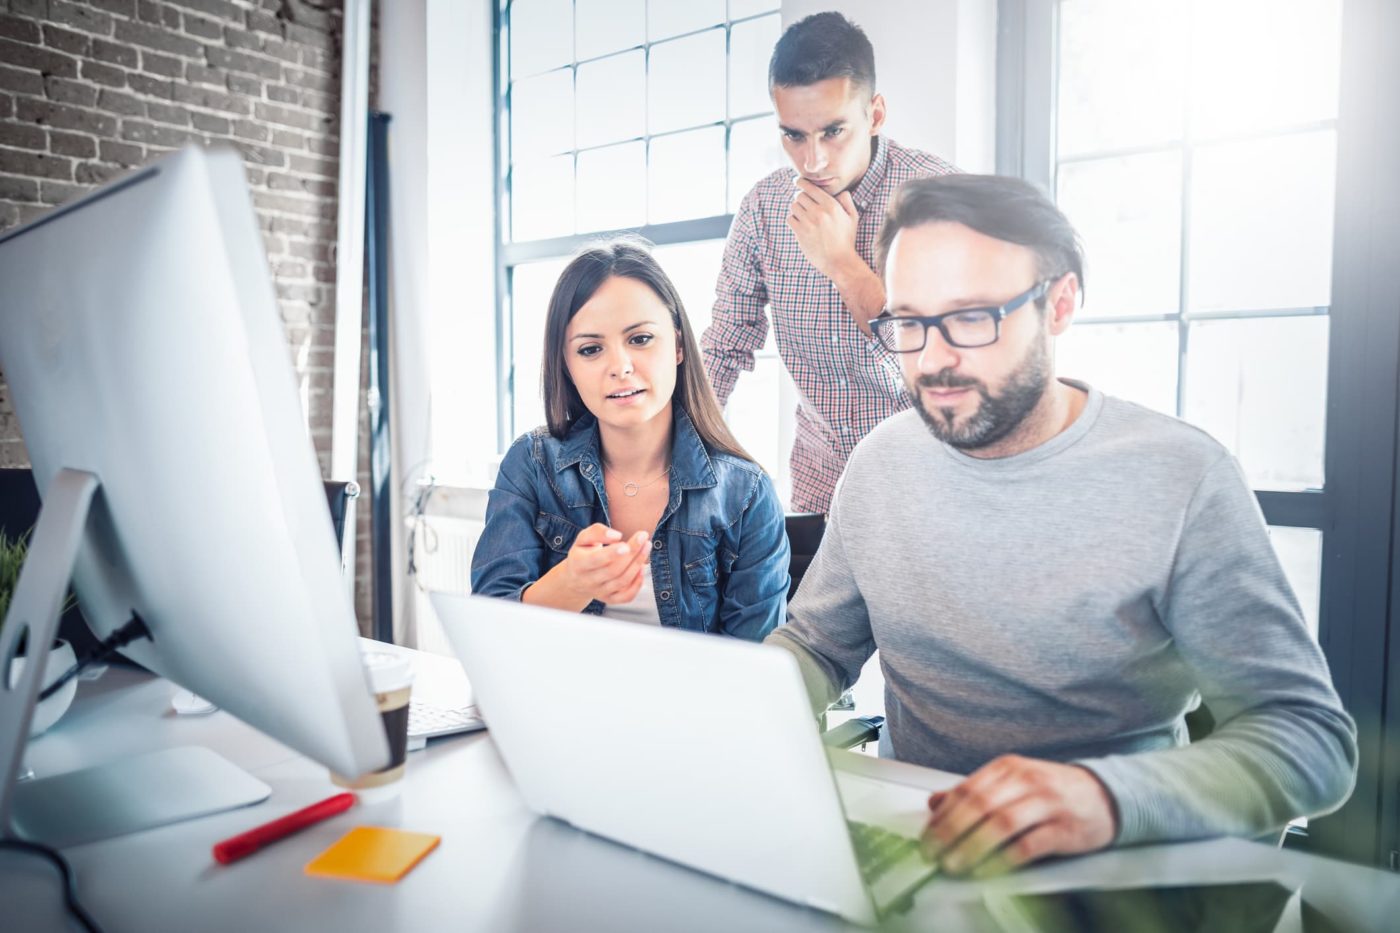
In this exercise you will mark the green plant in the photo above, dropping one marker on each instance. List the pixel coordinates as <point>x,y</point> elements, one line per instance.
<point>12,551</point>
<point>12,554</point>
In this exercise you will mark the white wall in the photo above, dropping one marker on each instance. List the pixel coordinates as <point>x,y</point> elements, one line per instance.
<point>935,62</point>
<point>461,236</point>
<point>435,82</point>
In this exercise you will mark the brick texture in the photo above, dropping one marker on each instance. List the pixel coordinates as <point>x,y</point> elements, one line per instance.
<point>90,90</point>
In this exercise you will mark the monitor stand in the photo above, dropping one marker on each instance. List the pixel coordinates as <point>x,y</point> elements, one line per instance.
<point>111,799</point>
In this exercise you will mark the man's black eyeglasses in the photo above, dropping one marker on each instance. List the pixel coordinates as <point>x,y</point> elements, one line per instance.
<point>969,327</point>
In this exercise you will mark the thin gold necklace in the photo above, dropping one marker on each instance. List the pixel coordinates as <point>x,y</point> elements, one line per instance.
<point>630,490</point>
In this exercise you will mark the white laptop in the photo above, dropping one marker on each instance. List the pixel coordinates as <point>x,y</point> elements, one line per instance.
<point>697,748</point>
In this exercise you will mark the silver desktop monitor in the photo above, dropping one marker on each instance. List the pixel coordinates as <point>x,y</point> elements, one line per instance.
<point>151,375</point>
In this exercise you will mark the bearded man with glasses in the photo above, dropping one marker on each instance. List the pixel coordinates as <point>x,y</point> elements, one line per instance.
<point>1054,577</point>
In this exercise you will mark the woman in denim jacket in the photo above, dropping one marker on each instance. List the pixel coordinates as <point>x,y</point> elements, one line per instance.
<point>636,502</point>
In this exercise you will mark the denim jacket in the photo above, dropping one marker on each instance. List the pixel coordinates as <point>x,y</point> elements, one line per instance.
<point>720,552</point>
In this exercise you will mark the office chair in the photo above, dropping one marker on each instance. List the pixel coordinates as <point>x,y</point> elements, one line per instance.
<point>804,531</point>
<point>341,497</point>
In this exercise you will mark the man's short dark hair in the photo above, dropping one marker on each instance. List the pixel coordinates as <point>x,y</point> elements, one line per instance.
<point>821,46</point>
<point>997,206</point>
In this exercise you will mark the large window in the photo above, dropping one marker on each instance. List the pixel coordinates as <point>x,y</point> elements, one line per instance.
<point>1193,145</point>
<point>640,115</point>
<point>1221,157</point>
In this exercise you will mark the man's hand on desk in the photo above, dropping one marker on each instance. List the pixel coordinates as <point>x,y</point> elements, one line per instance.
<point>1016,810</point>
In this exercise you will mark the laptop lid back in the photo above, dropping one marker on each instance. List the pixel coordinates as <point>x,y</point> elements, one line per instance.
<point>697,748</point>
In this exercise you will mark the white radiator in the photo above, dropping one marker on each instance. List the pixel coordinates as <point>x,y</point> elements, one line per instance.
<point>442,552</point>
<point>441,542</point>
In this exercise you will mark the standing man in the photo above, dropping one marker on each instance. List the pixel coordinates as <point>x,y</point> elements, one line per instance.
<point>1053,577</point>
<point>802,245</point>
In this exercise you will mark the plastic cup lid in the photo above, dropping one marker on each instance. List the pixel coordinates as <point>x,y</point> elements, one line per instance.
<point>387,671</point>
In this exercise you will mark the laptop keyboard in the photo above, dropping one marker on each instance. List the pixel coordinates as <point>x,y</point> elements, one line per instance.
<point>878,850</point>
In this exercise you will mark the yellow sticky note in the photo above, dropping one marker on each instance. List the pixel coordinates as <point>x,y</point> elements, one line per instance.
<point>373,853</point>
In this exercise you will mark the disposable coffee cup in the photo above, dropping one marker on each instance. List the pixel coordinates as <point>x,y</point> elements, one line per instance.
<point>391,678</point>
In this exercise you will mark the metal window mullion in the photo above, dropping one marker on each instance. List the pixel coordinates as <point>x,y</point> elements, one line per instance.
<point>1293,509</point>
<point>1243,314</point>
<point>573,67</point>
<point>728,70</point>
<point>1183,329</point>
<point>1026,89</point>
<point>1252,314</point>
<point>648,43</point>
<point>668,234</point>
<point>1124,152</point>
<point>505,359</point>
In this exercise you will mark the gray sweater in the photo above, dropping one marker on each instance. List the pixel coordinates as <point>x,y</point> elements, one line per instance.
<point>1072,603</point>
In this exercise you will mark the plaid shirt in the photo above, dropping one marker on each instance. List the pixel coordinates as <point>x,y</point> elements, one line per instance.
<point>847,382</point>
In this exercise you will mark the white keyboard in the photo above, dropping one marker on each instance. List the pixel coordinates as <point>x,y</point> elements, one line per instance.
<point>427,720</point>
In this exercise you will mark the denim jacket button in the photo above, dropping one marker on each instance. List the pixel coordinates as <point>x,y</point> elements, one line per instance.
<point>558,540</point>
<point>665,595</point>
<point>658,545</point>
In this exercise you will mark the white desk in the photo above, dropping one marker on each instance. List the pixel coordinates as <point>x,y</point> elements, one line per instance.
<point>498,867</point>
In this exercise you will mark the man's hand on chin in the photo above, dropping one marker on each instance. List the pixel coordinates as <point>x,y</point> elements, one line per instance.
<point>825,227</point>
<point>1015,810</point>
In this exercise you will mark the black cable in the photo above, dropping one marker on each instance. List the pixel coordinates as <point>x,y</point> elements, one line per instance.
<point>123,636</point>
<point>70,893</point>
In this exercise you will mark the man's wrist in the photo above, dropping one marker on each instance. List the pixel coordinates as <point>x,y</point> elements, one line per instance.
<point>1110,801</point>
<point>861,289</point>
<point>850,271</point>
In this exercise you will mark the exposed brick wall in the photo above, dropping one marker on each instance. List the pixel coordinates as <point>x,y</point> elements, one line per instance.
<point>89,90</point>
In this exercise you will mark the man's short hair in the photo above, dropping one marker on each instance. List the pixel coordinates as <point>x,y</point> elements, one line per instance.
<point>821,46</point>
<point>997,206</point>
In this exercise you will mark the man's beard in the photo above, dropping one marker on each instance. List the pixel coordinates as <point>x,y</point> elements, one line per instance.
<point>997,415</point>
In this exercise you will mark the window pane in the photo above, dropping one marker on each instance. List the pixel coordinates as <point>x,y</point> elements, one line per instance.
<point>531,285</point>
<point>750,47</point>
<point>1300,552</point>
<point>674,17</point>
<point>1128,212</point>
<point>541,35</point>
<point>1260,388</point>
<point>1261,223</point>
<point>1136,362</point>
<point>686,82</point>
<point>687,175</point>
<point>608,26</point>
<point>1284,71</point>
<point>612,187</point>
<point>754,153</point>
<point>694,268</point>
<point>542,115</point>
<point>1122,74</point>
<point>542,198</point>
<point>738,9</point>
<point>610,105</point>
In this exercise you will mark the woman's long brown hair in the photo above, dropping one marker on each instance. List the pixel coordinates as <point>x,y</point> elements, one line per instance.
<point>580,279</point>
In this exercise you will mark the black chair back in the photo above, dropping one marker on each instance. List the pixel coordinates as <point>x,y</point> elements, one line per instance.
<point>804,531</point>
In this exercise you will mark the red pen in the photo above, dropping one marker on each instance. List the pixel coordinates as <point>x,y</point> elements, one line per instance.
<point>234,848</point>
